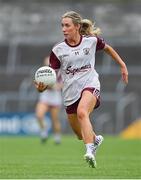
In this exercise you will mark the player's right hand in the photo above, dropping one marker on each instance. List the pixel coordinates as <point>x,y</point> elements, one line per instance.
<point>40,86</point>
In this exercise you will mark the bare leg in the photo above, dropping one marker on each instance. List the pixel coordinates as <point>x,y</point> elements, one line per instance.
<point>55,119</point>
<point>75,125</point>
<point>56,123</point>
<point>85,107</point>
<point>41,110</point>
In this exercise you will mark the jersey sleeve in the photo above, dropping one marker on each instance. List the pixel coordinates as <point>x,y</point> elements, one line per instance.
<point>100,44</point>
<point>54,61</point>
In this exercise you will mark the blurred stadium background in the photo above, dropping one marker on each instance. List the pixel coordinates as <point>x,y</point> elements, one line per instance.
<point>29,29</point>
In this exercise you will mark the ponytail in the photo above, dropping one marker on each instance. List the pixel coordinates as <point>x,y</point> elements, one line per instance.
<point>88,28</point>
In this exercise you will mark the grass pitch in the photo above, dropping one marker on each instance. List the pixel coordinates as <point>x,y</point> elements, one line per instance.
<point>27,158</point>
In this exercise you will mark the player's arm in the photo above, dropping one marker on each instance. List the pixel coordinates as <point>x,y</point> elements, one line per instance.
<point>124,72</point>
<point>54,63</point>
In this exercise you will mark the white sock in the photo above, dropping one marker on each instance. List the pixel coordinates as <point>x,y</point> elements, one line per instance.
<point>44,133</point>
<point>89,148</point>
<point>57,137</point>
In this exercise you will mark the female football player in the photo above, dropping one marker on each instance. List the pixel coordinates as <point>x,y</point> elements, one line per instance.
<point>75,56</point>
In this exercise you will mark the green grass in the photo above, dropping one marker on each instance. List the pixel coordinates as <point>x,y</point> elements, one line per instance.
<point>27,158</point>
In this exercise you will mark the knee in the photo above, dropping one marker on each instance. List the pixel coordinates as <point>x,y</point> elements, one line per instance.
<point>81,113</point>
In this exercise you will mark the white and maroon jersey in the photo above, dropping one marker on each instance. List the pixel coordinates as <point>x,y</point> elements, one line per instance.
<point>77,65</point>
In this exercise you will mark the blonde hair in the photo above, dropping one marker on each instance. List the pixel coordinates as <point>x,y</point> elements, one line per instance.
<point>87,27</point>
<point>76,18</point>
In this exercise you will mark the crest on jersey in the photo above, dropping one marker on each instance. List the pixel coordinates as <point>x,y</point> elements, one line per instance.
<point>61,57</point>
<point>86,51</point>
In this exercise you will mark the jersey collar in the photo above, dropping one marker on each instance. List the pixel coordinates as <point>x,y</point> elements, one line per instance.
<point>74,45</point>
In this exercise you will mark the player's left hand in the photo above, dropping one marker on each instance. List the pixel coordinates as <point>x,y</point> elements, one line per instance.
<point>124,74</point>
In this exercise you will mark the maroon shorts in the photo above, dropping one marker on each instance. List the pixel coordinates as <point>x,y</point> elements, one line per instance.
<point>72,109</point>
